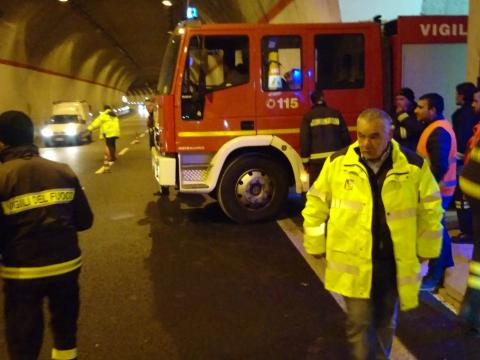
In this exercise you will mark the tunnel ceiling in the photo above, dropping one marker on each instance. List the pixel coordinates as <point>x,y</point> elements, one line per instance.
<point>115,42</point>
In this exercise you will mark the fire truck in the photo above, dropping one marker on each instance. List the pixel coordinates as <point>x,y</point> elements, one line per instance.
<point>231,97</point>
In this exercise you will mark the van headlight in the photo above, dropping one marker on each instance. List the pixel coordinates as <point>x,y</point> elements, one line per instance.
<point>71,130</point>
<point>47,132</point>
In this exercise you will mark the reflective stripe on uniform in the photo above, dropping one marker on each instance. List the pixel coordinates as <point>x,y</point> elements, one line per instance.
<point>402,117</point>
<point>325,121</point>
<point>64,354</point>
<point>22,273</point>
<point>402,214</point>
<point>473,282</point>
<point>305,160</point>
<point>347,268</point>
<point>430,198</point>
<point>403,132</point>
<point>35,200</point>
<point>323,155</point>
<point>315,230</point>
<point>317,193</point>
<point>432,234</point>
<point>347,204</point>
<point>408,279</point>
<point>470,188</point>
<point>475,267</point>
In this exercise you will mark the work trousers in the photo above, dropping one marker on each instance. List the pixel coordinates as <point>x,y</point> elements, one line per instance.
<point>436,267</point>
<point>464,213</point>
<point>371,322</point>
<point>24,315</point>
<point>111,148</point>
<point>471,301</point>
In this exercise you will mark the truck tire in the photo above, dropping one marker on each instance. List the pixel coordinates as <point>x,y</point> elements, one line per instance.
<point>253,188</point>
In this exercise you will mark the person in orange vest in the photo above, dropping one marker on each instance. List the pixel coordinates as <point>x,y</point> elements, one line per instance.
<point>439,146</point>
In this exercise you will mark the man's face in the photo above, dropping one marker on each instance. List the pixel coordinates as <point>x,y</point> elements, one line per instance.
<point>458,99</point>
<point>373,138</point>
<point>422,112</point>
<point>402,104</point>
<point>476,102</point>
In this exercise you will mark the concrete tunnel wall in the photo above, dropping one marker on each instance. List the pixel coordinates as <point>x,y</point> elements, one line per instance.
<point>49,53</point>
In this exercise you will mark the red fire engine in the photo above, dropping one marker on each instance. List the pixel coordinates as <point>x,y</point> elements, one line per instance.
<point>232,96</point>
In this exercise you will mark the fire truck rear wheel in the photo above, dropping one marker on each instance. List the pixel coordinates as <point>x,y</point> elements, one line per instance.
<point>253,188</point>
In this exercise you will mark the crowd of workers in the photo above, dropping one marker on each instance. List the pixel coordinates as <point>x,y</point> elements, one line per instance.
<point>375,209</point>
<point>375,212</point>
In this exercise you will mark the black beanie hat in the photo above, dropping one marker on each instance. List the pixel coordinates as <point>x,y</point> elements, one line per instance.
<point>408,93</point>
<point>16,128</point>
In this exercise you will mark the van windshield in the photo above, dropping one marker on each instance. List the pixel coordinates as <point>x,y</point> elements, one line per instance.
<point>63,119</point>
<point>168,65</point>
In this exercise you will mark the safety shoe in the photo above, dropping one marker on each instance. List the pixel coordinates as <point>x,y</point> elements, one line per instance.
<point>430,284</point>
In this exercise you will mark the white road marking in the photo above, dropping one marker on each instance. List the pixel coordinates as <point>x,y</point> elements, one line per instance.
<point>123,152</point>
<point>136,141</point>
<point>399,351</point>
<point>142,135</point>
<point>100,171</point>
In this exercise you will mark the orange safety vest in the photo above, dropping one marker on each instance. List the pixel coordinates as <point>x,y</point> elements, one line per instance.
<point>472,142</point>
<point>449,180</point>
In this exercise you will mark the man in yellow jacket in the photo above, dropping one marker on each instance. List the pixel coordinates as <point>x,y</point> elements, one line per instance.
<point>109,125</point>
<point>375,213</point>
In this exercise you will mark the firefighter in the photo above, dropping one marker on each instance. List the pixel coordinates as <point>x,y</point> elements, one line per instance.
<point>150,107</point>
<point>439,145</point>
<point>109,125</point>
<point>323,131</point>
<point>407,129</point>
<point>374,213</point>
<point>463,120</point>
<point>470,184</point>
<point>43,207</point>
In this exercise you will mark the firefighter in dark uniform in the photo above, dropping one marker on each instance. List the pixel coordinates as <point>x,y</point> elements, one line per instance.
<point>42,208</point>
<point>407,129</point>
<point>470,185</point>
<point>322,133</point>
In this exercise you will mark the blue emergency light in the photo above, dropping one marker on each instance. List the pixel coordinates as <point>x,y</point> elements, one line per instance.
<point>192,12</point>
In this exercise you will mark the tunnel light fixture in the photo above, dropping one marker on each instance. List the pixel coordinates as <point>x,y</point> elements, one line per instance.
<point>63,0</point>
<point>167,3</point>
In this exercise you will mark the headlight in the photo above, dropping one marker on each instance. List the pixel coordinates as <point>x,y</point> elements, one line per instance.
<point>47,132</point>
<point>71,131</point>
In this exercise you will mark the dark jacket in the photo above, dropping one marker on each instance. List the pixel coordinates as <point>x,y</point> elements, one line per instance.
<point>463,121</point>
<point>438,147</point>
<point>42,208</point>
<point>407,129</point>
<point>323,132</point>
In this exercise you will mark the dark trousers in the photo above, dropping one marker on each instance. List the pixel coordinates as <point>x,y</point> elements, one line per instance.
<point>24,314</point>
<point>151,137</point>
<point>436,267</point>
<point>371,322</point>
<point>471,302</point>
<point>464,213</point>
<point>111,152</point>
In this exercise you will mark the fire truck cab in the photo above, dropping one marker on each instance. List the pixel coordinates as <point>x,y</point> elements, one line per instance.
<point>231,98</point>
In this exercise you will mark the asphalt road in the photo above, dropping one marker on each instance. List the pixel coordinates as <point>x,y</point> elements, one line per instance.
<point>170,277</point>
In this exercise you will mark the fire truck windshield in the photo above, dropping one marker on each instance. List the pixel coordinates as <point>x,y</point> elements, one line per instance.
<point>168,66</point>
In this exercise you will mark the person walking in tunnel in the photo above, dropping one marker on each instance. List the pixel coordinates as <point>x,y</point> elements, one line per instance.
<point>150,106</point>
<point>42,207</point>
<point>323,131</point>
<point>439,146</point>
<point>109,125</point>
<point>407,129</point>
<point>470,184</point>
<point>375,214</point>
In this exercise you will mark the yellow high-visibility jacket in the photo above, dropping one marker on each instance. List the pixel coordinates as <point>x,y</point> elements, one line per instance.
<point>109,125</point>
<point>340,202</point>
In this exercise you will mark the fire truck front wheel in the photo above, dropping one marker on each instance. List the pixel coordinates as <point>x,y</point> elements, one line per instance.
<point>253,188</point>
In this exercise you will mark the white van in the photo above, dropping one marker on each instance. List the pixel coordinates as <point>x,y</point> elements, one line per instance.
<point>68,124</point>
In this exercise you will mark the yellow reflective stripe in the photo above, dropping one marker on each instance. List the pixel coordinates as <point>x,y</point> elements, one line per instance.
<point>409,279</point>
<point>215,133</point>
<point>318,193</point>
<point>278,131</point>
<point>403,132</point>
<point>432,197</point>
<point>473,282</point>
<point>64,354</point>
<point>470,188</point>
<point>305,160</point>
<point>315,230</point>
<point>475,267</point>
<point>475,154</point>
<point>431,234</point>
<point>38,199</point>
<point>347,268</point>
<point>325,121</point>
<point>20,273</point>
<point>402,214</point>
<point>347,204</point>
<point>321,155</point>
<point>402,116</point>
